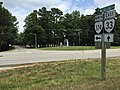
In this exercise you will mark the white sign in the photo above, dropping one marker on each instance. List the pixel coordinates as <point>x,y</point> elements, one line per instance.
<point>99,17</point>
<point>110,14</point>
<point>109,25</point>
<point>98,27</point>
<point>98,38</point>
<point>108,38</point>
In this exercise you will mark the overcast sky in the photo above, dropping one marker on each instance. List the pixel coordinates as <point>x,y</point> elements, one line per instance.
<point>21,8</point>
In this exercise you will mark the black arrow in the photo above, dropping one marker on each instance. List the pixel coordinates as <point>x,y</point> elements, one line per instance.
<point>98,38</point>
<point>108,38</point>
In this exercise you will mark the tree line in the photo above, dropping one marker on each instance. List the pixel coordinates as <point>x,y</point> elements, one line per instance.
<point>51,27</point>
<point>8,28</point>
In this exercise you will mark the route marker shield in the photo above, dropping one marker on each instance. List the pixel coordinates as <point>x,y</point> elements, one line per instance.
<point>98,27</point>
<point>109,25</point>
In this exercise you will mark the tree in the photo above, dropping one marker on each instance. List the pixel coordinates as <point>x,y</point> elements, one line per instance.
<point>32,26</point>
<point>51,22</point>
<point>87,34</point>
<point>71,23</point>
<point>52,27</point>
<point>117,31</point>
<point>8,28</point>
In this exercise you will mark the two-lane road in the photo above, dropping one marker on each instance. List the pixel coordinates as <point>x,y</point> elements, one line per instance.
<point>23,56</point>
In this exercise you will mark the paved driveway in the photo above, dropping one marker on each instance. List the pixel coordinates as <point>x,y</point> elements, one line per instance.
<point>23,56</point>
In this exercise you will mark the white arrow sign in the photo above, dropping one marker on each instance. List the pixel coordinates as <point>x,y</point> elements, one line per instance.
<point>109,25</point>
<point>98,27</point>
<point>108,38</point>
<point>98,38</point>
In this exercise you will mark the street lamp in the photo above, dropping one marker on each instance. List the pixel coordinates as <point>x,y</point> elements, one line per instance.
<point>35,39</point>
<point>64,36</point>
<point>78,30</point>
<point>1,3</point>
<point>53,37</point>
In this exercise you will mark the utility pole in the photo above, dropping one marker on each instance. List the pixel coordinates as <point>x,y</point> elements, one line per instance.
<point>1,25</point>
<point>103,59</point>
<point>78,32</point>
<point>35,39</point>
<point>79,38</point>
<point>1,3</point>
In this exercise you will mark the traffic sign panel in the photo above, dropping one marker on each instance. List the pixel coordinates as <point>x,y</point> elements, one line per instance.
<point>109,25</point>
<point>108,8</point>
<point>110,14</point>
<point>98,38</point>
<point>108,38</point>
<point>99,17</point>
<point>98,27</point>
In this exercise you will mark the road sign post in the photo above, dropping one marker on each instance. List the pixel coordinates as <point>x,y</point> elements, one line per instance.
<point>103,59</point>
<point>104,29</point>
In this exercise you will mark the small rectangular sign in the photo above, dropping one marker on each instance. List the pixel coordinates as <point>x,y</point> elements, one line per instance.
<point>98,38</point>
<point>108,8</point>
<point>108,38</point>
<point>99,17</point>
<point>110,14</point>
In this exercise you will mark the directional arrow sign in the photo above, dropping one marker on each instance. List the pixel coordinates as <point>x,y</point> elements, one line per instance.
<point>108,38</point>
<point>98,38</point>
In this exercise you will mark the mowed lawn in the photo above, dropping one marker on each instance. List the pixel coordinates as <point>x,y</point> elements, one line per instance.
<point>72,48</point>
<point>69,48</point>
<point>64,75</point>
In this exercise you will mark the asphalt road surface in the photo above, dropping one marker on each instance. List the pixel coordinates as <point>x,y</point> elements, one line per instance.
<point>23,56</point>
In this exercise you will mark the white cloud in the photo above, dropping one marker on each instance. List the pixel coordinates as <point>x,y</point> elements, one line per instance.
<point>83,10</point>
<point>64,6</point>
<point>88,11</point>
<point>21,8</point>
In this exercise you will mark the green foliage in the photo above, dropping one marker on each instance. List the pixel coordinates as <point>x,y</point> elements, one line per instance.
<point>32,26</point>
<point>54,27</point>
<point>117,31</point>
<point>69,48</point>
<point>8,28</point>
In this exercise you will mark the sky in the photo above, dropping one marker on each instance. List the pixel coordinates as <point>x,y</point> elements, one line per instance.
<point>21,8</point>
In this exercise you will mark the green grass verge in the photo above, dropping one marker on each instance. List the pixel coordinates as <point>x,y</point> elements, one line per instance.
<point>64,75</point>
<point>73,48</point>
<point>115,47</point>
<point>69,48</point>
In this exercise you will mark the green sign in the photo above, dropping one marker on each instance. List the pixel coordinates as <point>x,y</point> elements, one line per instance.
<point>108,8</point>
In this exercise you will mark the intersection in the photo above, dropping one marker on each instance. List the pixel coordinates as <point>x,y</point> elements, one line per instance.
<point>25,56</point>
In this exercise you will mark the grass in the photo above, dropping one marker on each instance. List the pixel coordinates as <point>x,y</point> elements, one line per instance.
<point>69,48</point>
<point>75,48</point>
<point>64,75</point>
<point>115,47</point>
